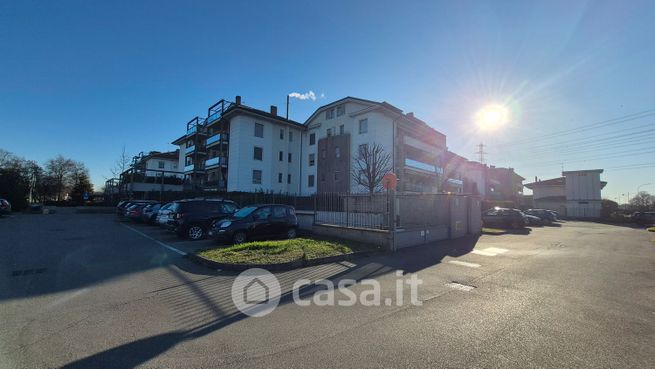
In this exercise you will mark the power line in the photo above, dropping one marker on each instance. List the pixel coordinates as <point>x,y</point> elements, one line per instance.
<point>603,123</point>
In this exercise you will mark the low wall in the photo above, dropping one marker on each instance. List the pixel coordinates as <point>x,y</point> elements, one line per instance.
<point>370,236</point>
<point>415,237</point>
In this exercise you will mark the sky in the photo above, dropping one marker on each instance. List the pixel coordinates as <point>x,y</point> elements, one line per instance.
<point>84,78</point>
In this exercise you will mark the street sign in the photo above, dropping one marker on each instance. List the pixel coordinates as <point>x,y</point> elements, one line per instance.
<point>390,181</point>
<point>85,196</point>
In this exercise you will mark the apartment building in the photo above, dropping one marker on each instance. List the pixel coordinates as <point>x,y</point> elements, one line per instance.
<point>337,132</point>
<point>576,194</point>
<point>152,172</point>
<point>240,148</point>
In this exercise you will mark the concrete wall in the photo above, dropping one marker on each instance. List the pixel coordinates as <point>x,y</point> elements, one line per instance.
<point>582,185</point>
<point>370,236</point>
<point>458,216</point>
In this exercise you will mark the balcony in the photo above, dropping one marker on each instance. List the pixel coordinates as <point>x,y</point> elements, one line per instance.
<point>213,161</point>
<point>189,168</point>
<point>415,164</point>
<point>215,139</point>
<point>191,130</point>
<point>216,111</point>
<point>189,150</point>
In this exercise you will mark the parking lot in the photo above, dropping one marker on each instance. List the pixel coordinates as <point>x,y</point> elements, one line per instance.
<point>87,290</point>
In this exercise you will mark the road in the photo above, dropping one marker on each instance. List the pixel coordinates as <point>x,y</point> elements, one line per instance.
<point>84,290</point>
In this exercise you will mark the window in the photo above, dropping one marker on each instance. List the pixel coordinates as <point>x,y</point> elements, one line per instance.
<point>310,181</point>
<point>329,114</point>
<point>289,157</point>
<point>337,152</point>
<point>190,143</point>
<point>341,110</point>
<point>280,156</point>
<point>229,208</point>
<point>363,149</point>
<point>312,138</point>
<point>279,212</point>
<point>161,164</point>
<point>337,175</point>
<point>281,134</point>
<point>289,178</point>
<point>279,178</point>
<point>341,129</point>
<point>262,213</point>
<point>329,132</point>
<point>312,159</point>
<point>290,136</point>
<point>258,153</point>
<point>363,125</point>
<point>259,130</point>
<point>257,176</point>
<point>188,161</point>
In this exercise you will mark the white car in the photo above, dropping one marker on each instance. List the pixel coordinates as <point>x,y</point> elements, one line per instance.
<point>163,214</point>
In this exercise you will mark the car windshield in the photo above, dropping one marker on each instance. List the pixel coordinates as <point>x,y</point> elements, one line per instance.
<point>244,212</point>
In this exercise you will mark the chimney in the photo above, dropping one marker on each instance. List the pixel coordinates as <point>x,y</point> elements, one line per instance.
<point>237,100</point>
<point>410,114</point>
<point>274,110</point>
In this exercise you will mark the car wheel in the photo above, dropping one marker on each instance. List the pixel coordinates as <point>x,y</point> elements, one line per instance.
<point>239,237</point>
<point>195,232</point>
<point>291,233</point>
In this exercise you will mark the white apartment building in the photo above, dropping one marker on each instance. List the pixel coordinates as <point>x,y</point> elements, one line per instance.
<point>336,131</point>
<point>239,148</point>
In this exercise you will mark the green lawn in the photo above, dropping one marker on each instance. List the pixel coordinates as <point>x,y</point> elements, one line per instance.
<point>493,231</point>
<point>651,229</point>
<point>274,252</point>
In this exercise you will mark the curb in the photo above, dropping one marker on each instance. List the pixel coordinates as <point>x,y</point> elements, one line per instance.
<point>301,263</point>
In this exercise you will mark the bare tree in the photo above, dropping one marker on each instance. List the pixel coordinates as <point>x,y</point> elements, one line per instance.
<point>643,201</point>
<point>60,169</point>
<point>369,167</point>
<point>121,164</point>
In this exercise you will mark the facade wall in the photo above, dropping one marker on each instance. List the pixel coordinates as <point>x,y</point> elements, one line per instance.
<point>169,165</point>
<point>539,192</point>
<point>584,185</point>
<point>242,162</point>
<point>333,171</point>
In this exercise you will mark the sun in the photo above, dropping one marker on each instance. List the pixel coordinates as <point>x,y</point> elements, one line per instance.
<point>492,116</point>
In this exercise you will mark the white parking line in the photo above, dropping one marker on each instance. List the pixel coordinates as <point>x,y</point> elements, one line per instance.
<point>155,240</point>
<point>495,250</point>
<point>483,253</point>
<point>464,263</point>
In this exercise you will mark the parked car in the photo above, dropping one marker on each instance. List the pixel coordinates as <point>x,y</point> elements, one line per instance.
<point>122,206</point>
<point>134,211</point>
<point>256,222</point>
<point>192,218</point>
<point>504,218</point>
<point>644,218</point>
<point>534,221</point>
<point>545,215</point>
<point>555,214</point>
<point>149,213</point>
<point>5,207</point>
<point>162,215</point>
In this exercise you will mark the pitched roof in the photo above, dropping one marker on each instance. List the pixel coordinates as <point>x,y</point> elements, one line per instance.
<point>547,182</point>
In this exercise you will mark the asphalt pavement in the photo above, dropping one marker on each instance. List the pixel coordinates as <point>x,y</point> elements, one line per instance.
<point>87,291</point>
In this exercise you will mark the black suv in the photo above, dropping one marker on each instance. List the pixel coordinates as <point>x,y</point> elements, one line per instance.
<point>256,222</point>
<point>192,218</point>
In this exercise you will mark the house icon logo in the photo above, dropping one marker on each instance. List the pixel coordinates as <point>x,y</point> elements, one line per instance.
<point>256,292</point>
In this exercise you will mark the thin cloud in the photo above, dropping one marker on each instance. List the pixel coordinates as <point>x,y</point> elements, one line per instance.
<point>310,95</point>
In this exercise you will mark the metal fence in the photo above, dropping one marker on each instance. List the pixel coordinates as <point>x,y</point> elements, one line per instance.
<point>352,210</point>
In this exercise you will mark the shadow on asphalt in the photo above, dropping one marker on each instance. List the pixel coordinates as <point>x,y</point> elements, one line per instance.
<point>135,353</point>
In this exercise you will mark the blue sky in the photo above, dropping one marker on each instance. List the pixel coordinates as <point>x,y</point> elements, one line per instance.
<point>82,78</point>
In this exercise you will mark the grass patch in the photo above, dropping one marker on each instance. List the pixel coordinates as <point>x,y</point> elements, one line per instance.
<point>493,231</point>
<point>275,252</point>
<point>651,229</point>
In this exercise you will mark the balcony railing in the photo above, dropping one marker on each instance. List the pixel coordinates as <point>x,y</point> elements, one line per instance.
<point>216,138</point>
<point>216,111</point>
<point>420,165</point>
<point>190,149</point>
<point>189,168</point>
<point>213,161</point>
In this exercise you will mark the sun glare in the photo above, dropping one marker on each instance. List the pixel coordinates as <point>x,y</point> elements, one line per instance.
<point>492,116</point>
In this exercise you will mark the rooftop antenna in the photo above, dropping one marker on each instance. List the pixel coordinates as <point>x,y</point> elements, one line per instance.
<point>481,152</point>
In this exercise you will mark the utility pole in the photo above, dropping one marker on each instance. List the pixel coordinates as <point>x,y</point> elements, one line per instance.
<point>481,152</point>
